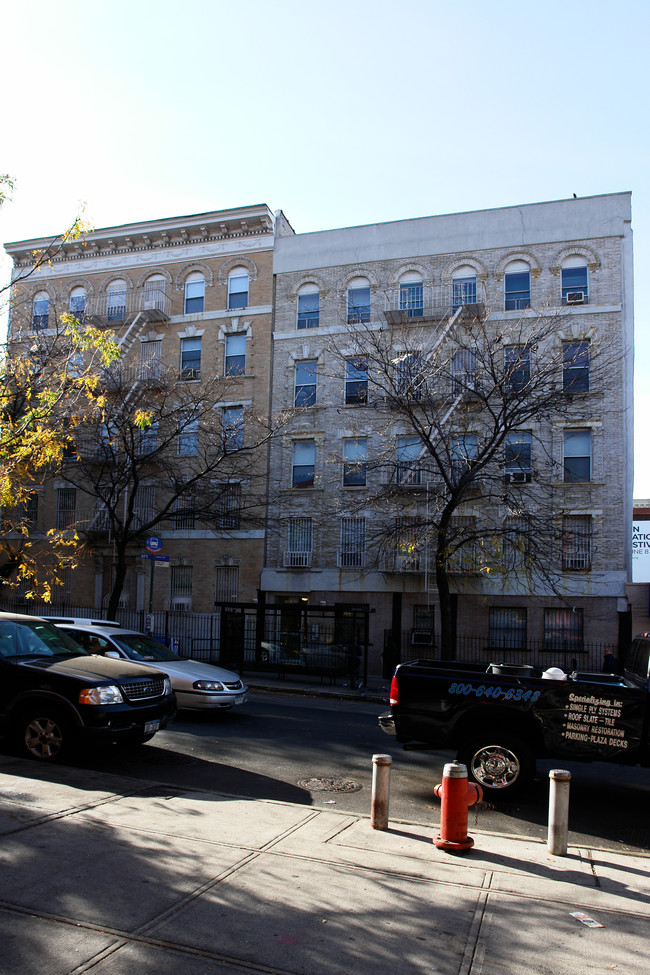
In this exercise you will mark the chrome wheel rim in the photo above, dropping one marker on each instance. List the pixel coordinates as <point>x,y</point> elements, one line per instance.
<point>495,767</point>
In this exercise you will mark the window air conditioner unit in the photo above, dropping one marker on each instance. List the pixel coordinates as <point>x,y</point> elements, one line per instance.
<point>575,298</point>
<point>518,477</point>
<point>190,374</point>
<point>181,604</point>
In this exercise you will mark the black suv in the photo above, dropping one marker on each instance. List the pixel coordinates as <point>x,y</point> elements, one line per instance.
<point>54,694</point>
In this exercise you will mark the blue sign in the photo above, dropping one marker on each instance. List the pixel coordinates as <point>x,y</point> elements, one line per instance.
<point>153,544</point>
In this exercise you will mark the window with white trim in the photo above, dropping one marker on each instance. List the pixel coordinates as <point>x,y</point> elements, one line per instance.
<point>191,358</point>
<point>517,286</point>
<point>194,293</point>
<point>358,300</point>
<point>519,457</point>
<point>77,304</point>
<point>516,365</point>
<point>41,311</point>
<point>235,355</point>
<point>411,295</point>
<point>116,300</point>
<point>308,306</point>
<point>305,380</point>
<point>575,367</point>
<point>154,293</point>
<point>233,428</point>
<point>355,462</point>
<point>151,359</point>
<point>303,463</point>
<point>238,283</point>
<point>575,281</point>
<point>356,380</point>
<point>577,455</point>
<point>408,453</point>
<point>463,286</point>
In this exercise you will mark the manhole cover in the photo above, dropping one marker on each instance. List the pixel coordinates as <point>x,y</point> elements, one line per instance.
<point>329,785</point>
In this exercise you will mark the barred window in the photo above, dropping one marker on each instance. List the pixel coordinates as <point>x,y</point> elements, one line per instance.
<point>229,506</point>
<point>184,512</point>
<point>577,534</point>
<point>352,550</point>
<point>300,542</point>
<point>66,502</point>
<point>563,629</point>
<point>508,627</point>
<point>143,511</point>
<point>226,583</point>
<point>181,580</point>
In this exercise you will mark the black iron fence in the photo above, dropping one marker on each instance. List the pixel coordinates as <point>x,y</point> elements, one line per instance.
<point>567,655</point>
<point>282,641</point>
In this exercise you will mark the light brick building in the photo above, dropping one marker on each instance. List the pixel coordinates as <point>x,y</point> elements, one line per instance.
<point>566,262</point>
<point>192,296</point>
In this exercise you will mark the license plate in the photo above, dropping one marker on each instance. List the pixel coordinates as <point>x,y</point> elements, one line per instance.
<point>151,726</point>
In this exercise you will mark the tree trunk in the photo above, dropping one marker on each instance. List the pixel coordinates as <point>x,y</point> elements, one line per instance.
<point>447,605</point>
<point>118,583</point>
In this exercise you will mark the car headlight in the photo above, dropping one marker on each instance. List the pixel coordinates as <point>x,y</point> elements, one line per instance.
<point>207,685</point>
<point>167,686</point>
<point>101,695</point>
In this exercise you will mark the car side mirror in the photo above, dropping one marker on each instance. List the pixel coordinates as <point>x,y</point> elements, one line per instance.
<point>113,653</point>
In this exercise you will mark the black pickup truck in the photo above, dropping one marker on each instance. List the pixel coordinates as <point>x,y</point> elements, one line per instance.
<point>54,695</point>
<point>501,718</point>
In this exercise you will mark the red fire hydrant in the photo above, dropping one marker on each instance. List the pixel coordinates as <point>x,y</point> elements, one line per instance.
<point>456,795</point>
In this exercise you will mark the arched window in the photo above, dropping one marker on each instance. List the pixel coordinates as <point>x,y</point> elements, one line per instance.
<point>308,306</point>
<point>517,286</point>
<point>463,286</point>
<point>238,288</point>
<point>77,306</point>
<point>154,292</point>
<point>194,293</point>
<point>411,295</point>
<point>575,282</point>
<point>116,294</point>
<point>41,310</point>
<point>358,301</point>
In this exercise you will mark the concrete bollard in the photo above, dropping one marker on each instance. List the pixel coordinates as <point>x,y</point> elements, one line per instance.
<point>380,791</point>
<point>558,811</point>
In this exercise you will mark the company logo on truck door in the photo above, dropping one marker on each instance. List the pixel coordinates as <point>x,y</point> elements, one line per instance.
<point>496,692</point>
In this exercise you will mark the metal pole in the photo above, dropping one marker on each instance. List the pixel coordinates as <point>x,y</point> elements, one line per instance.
<point>380,791</point>
<point>151,596</point>
<point>558,811</point>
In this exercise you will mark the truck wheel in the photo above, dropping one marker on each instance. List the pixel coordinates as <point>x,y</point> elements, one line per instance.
<point>501,764</point>
<point>44,734</point>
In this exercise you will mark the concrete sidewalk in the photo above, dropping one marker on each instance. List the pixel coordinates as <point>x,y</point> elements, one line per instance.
<point>111,875</point>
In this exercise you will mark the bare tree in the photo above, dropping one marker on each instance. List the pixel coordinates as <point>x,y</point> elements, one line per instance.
<point>467,454</point>
<point>158,453</point>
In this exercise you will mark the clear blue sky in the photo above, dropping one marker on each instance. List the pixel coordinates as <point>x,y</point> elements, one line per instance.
<point>340,113</point>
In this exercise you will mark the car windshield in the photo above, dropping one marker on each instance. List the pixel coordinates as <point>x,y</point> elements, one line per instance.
<point>24,638</point>
<point>141,647</point>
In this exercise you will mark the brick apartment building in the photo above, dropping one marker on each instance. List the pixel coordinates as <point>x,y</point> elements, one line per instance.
<point>283,317</point>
